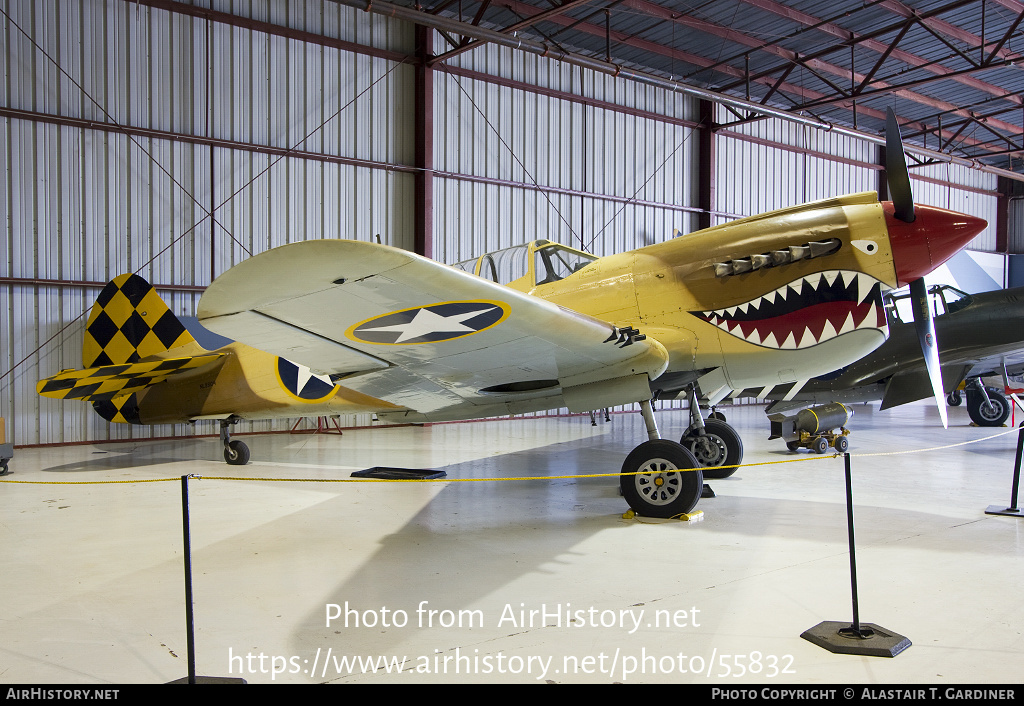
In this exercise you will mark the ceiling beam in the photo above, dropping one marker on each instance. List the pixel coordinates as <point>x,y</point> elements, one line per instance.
<point>906,57</point>
<point>532,20</point>
<point>743,39</point>
<point>528,45</point>
<point>898,8</point>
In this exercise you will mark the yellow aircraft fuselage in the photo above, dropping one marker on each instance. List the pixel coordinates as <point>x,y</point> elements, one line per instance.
<point>775,321</point>
<point>770,299</point>
<point>249,384</point>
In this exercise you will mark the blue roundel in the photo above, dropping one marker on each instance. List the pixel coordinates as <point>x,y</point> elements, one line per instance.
<point>301,382</point>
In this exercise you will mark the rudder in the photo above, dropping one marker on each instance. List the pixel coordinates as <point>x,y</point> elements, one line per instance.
<point>129,322</point>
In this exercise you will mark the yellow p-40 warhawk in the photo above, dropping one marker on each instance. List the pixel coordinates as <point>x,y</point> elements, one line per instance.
<point>324,327</point>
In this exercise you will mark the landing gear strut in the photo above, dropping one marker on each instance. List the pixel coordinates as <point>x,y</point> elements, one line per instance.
<point>236,453</point>
<point>660,477</point>
<point>715,444</point>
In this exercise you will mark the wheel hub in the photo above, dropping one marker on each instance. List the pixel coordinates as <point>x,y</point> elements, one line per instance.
<point>658,481</point>
<point>709,450</point>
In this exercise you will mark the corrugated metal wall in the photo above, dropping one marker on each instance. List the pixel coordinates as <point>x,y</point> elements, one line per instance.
<point>1015,230</point>
<point>517,164</point>
<point>200,181</point>
<point>960,189</point>
<point>770,164</point>
<point>524,148</point>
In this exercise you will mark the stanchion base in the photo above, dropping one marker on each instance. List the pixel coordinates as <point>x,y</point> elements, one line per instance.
<point>1003,510</point>
<point>872,641</point>
<point>210,680</point>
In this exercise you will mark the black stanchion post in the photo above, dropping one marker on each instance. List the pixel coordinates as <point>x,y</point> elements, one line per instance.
<point>855,639</point>
<point>855,628</point>
<point>189,623</point>
<point>189,633</point>
<point>1014,510</point>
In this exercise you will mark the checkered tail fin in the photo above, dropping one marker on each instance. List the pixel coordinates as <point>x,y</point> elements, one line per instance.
<point>129,322</point>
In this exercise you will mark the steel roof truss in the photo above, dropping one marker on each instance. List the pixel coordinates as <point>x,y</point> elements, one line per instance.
<point>885,55</point>
<point>1006,37</point>
<point>522,24</point>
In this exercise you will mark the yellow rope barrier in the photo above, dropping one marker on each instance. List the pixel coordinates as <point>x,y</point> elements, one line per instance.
<point>939,448</point>
<point>513,478</point>
<point>88,482</point>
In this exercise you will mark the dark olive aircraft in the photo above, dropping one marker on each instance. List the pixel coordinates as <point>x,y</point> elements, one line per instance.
<point>323,327</point>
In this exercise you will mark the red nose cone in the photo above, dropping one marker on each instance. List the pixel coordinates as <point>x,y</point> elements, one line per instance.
<point>935,236</point>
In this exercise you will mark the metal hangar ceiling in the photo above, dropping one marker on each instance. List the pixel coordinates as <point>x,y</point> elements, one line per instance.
<point>950,69</point>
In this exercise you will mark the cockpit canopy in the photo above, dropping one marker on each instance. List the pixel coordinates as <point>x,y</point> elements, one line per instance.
<point>945,299</point>
<point>524,267</point>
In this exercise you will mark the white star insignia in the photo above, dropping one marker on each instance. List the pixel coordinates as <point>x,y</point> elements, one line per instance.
<point>426,322</point>
<point>304,375</point>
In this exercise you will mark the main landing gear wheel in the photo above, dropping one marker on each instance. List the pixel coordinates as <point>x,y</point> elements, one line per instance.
<point>720,445</point>
<point>236,453</point>
<point>661,482</point>
<point>991,413</point>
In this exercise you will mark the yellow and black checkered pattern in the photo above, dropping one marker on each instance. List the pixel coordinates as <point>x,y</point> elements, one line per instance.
<point>130,322</point>
<point>106,382</point>
<point>122,410</point>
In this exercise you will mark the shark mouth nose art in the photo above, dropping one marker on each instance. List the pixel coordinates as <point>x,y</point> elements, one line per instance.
<point>806,312</point>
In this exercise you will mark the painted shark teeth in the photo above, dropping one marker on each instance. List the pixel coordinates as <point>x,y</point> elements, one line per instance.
<point>806,311</point>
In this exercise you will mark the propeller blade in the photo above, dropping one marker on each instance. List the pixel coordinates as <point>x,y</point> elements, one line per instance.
<point>896,170</point>
<point>925,326</point>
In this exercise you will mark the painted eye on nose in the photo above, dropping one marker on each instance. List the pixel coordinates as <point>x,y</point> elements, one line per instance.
<point>869,247</point>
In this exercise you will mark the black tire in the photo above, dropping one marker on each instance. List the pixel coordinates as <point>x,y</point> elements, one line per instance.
<point>3,469</point>
<point>236,453</point>
<point>717,415</point>
<point>993,414</point>
<point>842,444</point>
<point>793,445</point>
<point>820,444</point>
<point>721,446</point>
<point>954,398</point>
<point>664,479</point>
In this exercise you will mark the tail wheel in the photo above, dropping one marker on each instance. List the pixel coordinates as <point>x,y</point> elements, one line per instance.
<point>661,479</point>
<point>236,453</point>
<point>720,445</point>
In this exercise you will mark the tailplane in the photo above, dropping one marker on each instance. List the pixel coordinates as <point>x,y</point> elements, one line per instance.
<point>129,322</point>
<point>127,338</point>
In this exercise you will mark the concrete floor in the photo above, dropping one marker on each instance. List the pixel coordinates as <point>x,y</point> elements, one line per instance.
<point>453,577</point>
